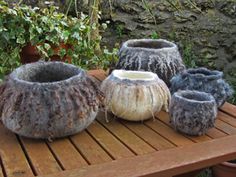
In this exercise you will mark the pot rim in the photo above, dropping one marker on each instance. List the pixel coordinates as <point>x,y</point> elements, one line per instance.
<point>123,75</point>
<point>14,74</point>
<point>229,164</point>
<point>182,95</point>
<point>203,73</point>
<point>133,41</point>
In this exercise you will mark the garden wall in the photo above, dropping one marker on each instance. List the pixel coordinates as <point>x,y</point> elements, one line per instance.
<point>206,27</point>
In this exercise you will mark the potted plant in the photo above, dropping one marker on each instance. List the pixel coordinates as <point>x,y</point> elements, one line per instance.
<point>225,169</point>
<point>33,33</point>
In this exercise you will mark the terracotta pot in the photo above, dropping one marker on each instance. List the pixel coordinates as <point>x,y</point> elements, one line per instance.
<point>30,54</point>
<point>225,169</point>
<point>156,55</point>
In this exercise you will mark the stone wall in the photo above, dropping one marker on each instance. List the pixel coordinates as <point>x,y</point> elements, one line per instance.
<point>207,27</point>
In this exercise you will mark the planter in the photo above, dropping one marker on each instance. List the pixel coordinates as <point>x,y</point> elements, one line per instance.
<point>205,80</point>
<point>135,95</point>
<point>30,54</point>
<point>48,100</point>
<point>156,55</point>
<point>225,169</point>
<point>192,112</point>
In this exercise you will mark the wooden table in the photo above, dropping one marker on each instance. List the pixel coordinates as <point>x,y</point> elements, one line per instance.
<point>120,148</point>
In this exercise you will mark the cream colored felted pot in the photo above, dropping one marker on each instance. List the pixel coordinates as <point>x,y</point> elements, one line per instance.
<point>135,95</point>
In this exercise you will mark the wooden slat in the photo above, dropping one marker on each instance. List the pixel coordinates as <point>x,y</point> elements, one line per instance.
<point>148,135</point>
<point>1,173</point>
<point>198,139</point>
<point>66,153</point>
<point>227,118</point>
<point>225,127</point>
<point>13,158</point>
<point>99,74</point>
<point>1,168</point>
<point>126,136</point>
<point>113,146</point>
<point>164,117</point>
<point>40,156</point>
<point>215,133</point>
<point>90,150</point>
<point>229,108</point>
<point>163,163</point>
<point>168,133</point>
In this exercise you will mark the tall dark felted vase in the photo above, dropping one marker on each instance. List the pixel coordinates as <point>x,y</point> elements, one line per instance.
<point>156,55</point>
<point>205,80</point>
<point>192,112</point>
<point>48,100</point>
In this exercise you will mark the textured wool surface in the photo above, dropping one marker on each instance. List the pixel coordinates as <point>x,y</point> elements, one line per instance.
<point>205,80</point>
<point>156,55</point>
<point>135,99</point>
<point>192,112</point>
<point>48,100</point>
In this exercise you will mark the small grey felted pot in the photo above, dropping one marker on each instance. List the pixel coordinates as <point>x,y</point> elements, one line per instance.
<point>192,112</point>
<point>205,80</point>
<point>48,100</point>
<point>156,55</point>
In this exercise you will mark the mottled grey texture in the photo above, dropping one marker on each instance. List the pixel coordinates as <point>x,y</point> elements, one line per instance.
<point>48,100</point>
<point>205,80</point>
<point>192,112</point>
<point>156,55</point>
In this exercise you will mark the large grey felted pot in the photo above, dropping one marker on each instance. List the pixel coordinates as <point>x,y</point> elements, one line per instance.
<point>192,112</point>
<point>48,100</point>
<point>156,55</point>
<point>205,80</point>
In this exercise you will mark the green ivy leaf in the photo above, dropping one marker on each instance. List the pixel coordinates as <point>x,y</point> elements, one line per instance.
<point>77,36</point>
<point>47,46</point>
<point>38,29</point>
<point>62,52</point>
<point>50,52</point>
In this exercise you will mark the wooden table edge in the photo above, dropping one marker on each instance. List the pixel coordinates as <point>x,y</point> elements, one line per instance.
<point>163,163</point>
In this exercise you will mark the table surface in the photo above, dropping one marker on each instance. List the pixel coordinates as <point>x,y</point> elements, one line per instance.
<point>120,148</point>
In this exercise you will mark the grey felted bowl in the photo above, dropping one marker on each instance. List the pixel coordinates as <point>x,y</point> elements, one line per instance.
<point>192,112</point>
<point>48,100</point>
<point>155,55</point>
<point>205,80</point>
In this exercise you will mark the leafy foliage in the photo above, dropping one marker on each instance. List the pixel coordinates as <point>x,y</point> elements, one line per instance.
<point>189,57</point>
<point>45,29</point>
<point>155,35</point>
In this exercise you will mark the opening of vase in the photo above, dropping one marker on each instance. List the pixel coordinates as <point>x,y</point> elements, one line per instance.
<point>134,75</point>
<point>48,73</point>
<point>195,96</point>
<point>205,73</point>
<point>151,44</point>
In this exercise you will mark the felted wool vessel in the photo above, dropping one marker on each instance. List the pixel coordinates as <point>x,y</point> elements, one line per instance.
<point>135,95</point>
<point>205,80</point>
<point>156,55</point>
<point>192,112</point>
<point>48,100</point>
